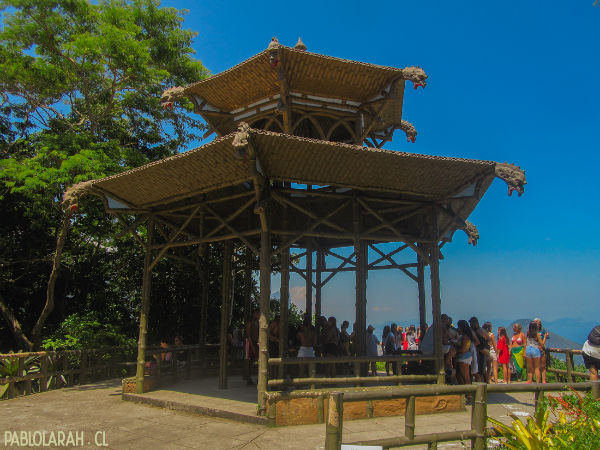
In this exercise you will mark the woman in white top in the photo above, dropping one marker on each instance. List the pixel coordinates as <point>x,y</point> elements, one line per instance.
<point>591,353</point>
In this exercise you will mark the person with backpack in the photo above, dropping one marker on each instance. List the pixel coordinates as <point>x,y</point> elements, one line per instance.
<point>482,345</point>
<point>591,353</point>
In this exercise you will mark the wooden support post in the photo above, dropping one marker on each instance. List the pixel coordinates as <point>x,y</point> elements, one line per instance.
<point>409,418</point>
<point>263,334</point>
<point>436,302</point>
<point>225,308</point>
<point>83,367</point>
<point>479,416</point>
<point>569,360</point>
<point>596,389</point>
<point>421,287</point>
<point>320,409</point>
<point>44,372</point>
<point>318,273</point>
<point>144,310</point>
<point>335,421</point>
<point>369,409</point>
<point>361,296</point>
<point>309,283</point>
<point>203,275</point>
<point>284,298</point>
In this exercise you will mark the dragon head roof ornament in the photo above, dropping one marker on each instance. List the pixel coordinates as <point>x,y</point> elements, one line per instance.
<point>416,75</point>
<point>240,140</point>
<point>171,95</point>
<point>471,232</point>
<point>409,129</point>
<point>514,177</point>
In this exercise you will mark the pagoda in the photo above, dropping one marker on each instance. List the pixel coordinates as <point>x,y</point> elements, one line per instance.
<point>297,165</point>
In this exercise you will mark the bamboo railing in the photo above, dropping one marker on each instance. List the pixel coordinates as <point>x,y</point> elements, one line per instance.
<point>42,371</point>
<point>478,432</point>
<point>570,373</point>
<point>308,366</point>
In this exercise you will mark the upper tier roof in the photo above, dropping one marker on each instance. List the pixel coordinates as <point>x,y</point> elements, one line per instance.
<point>307,80</point>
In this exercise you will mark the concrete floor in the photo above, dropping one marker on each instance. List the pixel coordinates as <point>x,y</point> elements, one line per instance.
<point>98,408</point>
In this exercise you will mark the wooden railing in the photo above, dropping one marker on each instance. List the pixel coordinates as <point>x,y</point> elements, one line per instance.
<point>478,432</point>
<point>34,372</point>
<point>306,373</point>
<point>570,373</point>
<point>40,371</point>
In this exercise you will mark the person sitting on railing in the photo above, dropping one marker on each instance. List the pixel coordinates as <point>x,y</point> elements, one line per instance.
<point>543,337</point>
<point>591,353</point>
<point>372,344</point>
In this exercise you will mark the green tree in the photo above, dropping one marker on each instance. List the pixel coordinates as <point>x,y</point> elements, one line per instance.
<point>81,89</point>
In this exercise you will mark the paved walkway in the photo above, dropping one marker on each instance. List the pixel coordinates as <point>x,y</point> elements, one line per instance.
<point>98,408</point>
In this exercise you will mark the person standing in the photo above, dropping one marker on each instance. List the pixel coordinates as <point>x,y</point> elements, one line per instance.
<point>591,353</point>
<point>251,345</point>
<point>543,335</point>
<point>464,358</point>
<point>517,349</point>
<point>532,353</point>
<point>372,344</point>
<point>503,353</point>
<point>482,348</point>
<point>493,358</point>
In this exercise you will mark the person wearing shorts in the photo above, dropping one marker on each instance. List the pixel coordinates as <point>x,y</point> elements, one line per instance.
<point>591,353</point>
<point>533,355</point>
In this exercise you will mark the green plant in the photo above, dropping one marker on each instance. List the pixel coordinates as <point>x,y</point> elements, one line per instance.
<point>536,434</point>
<point>568,421</point>
<point>9,367</point>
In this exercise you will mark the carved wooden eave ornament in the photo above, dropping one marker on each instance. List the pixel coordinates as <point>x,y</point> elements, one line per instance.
<point>513,175</point>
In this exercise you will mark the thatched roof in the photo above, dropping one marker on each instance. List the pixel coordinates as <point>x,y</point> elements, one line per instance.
<point>296,160</point>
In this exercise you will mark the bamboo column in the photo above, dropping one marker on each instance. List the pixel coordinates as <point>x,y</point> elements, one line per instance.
<point>225,308</point>
<point>436,302</point>
<point>360,248</point>
<point>309,272</point>
<point>146,286</point>
<point>203,300</point>
<point>318,273</point>
<point>421,286</point>
<point>263,335</point>
<point>284,298</point>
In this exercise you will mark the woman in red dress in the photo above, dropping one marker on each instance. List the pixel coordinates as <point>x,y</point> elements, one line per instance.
<point>503,353</point>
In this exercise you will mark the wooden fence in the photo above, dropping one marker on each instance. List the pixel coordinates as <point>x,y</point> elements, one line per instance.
<point>305,371</point>
<point>570,373</point>
<point>32,372</point>
<point>478,432</point>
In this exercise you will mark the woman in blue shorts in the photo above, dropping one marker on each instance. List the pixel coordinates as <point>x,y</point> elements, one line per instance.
<point>533,355</point>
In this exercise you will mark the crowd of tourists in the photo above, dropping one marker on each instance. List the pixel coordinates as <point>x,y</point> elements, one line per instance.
<point>472,352</point>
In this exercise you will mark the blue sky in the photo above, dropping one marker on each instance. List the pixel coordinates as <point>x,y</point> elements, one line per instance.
<point>508,81</point>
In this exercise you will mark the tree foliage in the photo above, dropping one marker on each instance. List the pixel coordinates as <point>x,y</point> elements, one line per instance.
<point>81,86</point>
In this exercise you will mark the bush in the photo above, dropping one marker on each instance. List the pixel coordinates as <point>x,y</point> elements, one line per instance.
<point>86,331</point>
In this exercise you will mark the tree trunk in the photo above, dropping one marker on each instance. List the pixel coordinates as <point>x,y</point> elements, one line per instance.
<point>36,333</point>
<point>15,326</point>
